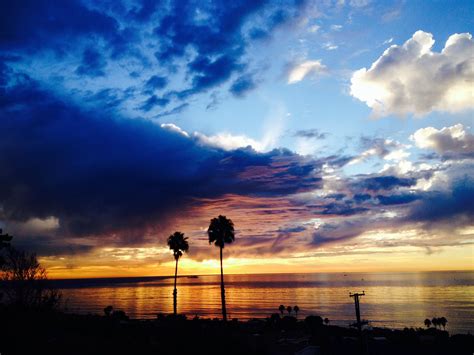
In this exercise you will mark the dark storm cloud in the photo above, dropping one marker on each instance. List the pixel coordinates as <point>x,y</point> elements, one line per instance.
<point>47,246</point>
<point>454,204</point>
<point>397,199</point>
<point>390,182</point>
<point>99,173</point>
<point>39,24</point>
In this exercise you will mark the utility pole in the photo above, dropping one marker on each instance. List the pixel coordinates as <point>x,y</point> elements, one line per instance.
<point>359,323</point>
<point>357,307</point>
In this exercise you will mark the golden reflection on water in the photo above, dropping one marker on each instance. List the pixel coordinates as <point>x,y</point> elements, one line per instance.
<point>392,300</point>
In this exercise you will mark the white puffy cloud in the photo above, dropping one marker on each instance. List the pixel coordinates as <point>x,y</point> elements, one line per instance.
<point>454,139</point>
<point>172,127</point>
<point>413,79</point>
<point>301,70</point>
<point>228,141</point>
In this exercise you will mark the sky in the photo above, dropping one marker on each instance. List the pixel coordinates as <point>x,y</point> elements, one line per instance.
<point>337,135</point>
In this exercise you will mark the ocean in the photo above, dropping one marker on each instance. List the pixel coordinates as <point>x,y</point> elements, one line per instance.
<point>394,300</point>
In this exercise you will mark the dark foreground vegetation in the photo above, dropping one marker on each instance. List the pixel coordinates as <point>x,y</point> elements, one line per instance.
<point>53,332</point>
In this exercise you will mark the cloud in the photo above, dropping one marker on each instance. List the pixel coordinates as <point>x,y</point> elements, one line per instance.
<point>173,128</point>
<point>220,41</point>
<point>197,47</point>
<point>228,141</point>
<point>313,28</point>
<point>454,141</point>
<point>106,176</point>
<point>359,3</point>
<point>302,70</point>
<point>243,85</point>
<point>388,182</point>
<point>397,199</point>
<point>178,109</point>
<point>330,233</point>
<point>156,82</point>
<point>453,205</point>
<point>379,147</point>
<point>40,24</point>
<point>400,82</point>
<point>93,64</point>
<point>310,134</point>
<point>154,101</point>
<point>330,46</point>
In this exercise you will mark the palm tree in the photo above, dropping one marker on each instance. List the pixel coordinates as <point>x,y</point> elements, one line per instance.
<point>427,323</point>
<point>221,232</point>
<point>289,309</point>
<point>281,309</point>
<point>443,321</point>
<point>296,309</point>
<point>178,244</point>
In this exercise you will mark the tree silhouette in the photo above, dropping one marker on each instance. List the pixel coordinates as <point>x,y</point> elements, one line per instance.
<point>4,243</point>
<point>435,322</point>
<point>281,309</point>
<point>221,232</point>
<point>4,239</point>
<point>326,321</point>
<point>25,284</point>
<point>108,311</point>
<point>442,321</point>
<point>289,309</point>
<point>178,244</point>
<point>296,309</point>
<point>427,323</point>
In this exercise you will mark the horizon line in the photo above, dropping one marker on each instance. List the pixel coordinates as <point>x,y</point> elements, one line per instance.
<point>262,273</point>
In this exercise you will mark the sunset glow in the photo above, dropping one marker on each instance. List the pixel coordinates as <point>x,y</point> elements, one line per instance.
<point>336,135</point>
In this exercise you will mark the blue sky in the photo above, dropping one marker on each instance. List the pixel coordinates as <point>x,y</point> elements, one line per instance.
<point>352,115</point>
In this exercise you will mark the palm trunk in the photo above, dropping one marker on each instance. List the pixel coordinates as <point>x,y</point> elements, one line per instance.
<point>175,292</point>
<point>224,311</point>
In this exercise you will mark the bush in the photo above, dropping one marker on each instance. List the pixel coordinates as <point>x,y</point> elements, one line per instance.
<point>24,281</point>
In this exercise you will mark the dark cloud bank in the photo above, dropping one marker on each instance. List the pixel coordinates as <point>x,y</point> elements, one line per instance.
<point>102,173</point>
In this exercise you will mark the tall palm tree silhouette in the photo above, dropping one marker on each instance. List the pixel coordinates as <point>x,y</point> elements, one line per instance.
<point>178,244</point>
<point>221,232</point>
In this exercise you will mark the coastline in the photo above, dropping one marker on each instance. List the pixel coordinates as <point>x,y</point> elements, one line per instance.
<point>56,332</point>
